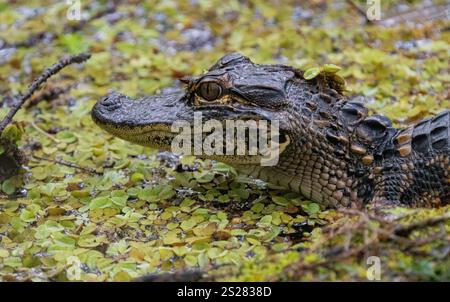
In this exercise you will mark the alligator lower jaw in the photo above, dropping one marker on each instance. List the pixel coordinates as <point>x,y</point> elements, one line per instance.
<point>154,136</point>
<point>160,136</point>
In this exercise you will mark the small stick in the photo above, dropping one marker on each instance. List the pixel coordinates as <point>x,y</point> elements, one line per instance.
<point>79,58</point>
<point>417,15</point>
<point>358,9</point>
<point>408,229</point>
<point>393,232</point>
<point>36,127</point>
<point>49,93</point>
<point>68,164</point>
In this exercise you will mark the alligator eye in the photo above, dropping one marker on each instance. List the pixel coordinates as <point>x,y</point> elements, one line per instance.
<point>210,91</point>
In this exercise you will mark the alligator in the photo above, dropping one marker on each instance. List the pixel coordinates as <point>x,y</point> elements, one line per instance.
<point>332,151</point>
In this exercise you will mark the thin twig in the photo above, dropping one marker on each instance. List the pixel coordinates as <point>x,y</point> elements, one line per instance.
<point>79,58</point>
<point>420,242</point>
<point>404,231</point>
<point>36,127</point>
<point>417,15</point>
<point>50,92</point>
<point>370,215</point>
<point>68,164</point>
<point>389,231</point>
<point>358,9</point>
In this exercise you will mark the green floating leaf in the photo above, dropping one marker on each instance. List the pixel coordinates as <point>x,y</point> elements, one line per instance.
<point>75,43</point>
<point>62,243</point>
<point>119,198</point>
<point>91,240</point>
<point>4,253</point>
<point>13,261</point>
<point>215,252</point>
<point>330,68</point>
<point>312,208</point>
<point>159,192</point>
<point>136,177</point>
<point>190,260</point>
<point>280,200</point>
<point>224,168</point>
<point>27,215</point>
<point>12,132</point>
<point>266,220</point>
<point>311,73</point>
<point>66,137</point>
<point>100,203</point>
<point>40,173</point>
<point>204,176</point>
<point>8,186</point>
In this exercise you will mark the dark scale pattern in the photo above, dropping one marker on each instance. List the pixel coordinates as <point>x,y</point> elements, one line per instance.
<point>338,154</point>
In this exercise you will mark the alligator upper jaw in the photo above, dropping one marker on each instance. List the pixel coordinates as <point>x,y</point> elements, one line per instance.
<point>148,121</point>
<point>135,120</point>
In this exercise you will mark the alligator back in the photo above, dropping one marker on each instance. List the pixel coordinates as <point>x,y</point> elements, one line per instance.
<point>432,135</point>
<point>416,169</point>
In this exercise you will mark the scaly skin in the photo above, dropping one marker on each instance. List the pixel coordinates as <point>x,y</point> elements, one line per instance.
<point>333,152</point>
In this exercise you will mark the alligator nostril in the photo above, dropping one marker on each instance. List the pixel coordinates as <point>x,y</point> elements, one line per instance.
<point>110,103</point>
<point>107,101</point>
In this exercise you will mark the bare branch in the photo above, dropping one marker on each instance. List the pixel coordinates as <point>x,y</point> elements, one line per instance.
<point>358,9</point>
<point>408,229</point>
<point>79,58</point>
<point>68,164</point>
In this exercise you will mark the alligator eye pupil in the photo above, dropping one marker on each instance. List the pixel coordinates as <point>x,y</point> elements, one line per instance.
<point>210,91</point>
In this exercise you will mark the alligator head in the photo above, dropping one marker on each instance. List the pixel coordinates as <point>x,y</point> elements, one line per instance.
<point>233,89</point>
<point>330,149</point>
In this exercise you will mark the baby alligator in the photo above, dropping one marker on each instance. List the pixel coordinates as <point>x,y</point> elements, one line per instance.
<point>332,151</point>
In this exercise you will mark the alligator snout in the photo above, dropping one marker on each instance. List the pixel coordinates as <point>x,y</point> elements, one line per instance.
<point>117,110</point>
<point>110,109</point>
<point>110,102</point>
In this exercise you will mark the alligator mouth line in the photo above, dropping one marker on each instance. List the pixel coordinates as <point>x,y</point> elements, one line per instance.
<point>229,148</point>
